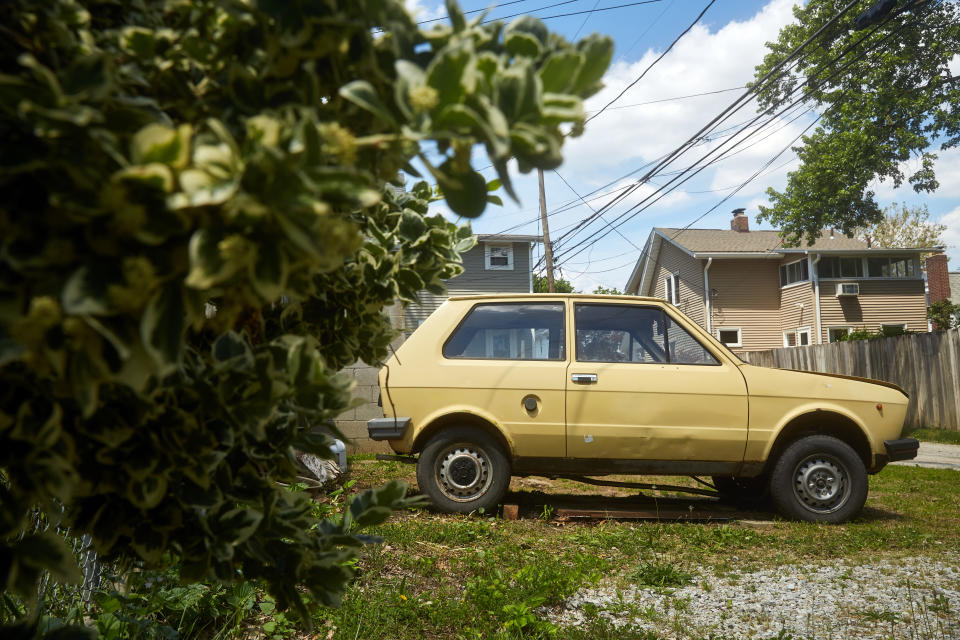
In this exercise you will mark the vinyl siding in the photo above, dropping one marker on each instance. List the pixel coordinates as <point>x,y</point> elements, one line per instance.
<point>748,297</point>
<point>673,260</point>
<point>475,279</point>
<point>792,316</point>
<point>879,302</point>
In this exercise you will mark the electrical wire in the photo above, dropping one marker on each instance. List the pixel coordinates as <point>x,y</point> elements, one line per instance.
<point>574,13</point>
<point>654,63</point>
<point>620,220</point>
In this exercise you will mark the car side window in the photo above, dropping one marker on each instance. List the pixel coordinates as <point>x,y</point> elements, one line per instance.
<point>684,348</point>
<point>619,333</point>
<point>631,333</point>
<point>509,331</point>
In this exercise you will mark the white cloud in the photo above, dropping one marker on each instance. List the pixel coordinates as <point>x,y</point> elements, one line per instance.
<point>420,10</point>
<point>701,61</point>
<point>951,237</point>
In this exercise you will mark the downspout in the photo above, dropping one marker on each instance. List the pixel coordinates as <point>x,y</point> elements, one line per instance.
<point>530,264</point>
<point>816,293</point>
<point>706,293</point>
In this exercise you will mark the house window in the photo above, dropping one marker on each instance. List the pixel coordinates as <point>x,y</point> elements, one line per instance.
<point>794,272</point>
<point>891,267</point>
<point>797,338</point>
<point>835,334</point>
<point>498,257</point>
<point>671,287</point>
<point>896,329</point>
<point>730,336</point>
<point>841,267</point>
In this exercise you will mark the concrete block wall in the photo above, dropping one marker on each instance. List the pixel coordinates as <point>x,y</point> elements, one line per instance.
<point>353,423</point>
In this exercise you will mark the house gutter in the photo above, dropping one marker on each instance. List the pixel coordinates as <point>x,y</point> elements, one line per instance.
<point>706,292</point>
<point>814,261</point>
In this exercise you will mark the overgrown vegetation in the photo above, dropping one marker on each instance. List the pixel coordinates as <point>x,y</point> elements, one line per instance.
<point>199,226</point>
<point>944,436</point>
<point>944,314</point>
<point>862,333</point>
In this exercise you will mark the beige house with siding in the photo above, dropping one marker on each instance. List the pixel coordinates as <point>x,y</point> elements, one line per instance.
<point>753,293</point>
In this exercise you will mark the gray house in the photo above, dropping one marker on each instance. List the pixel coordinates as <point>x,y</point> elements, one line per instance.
<point>498,264</point>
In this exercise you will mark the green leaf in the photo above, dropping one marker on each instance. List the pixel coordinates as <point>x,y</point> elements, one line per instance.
<point>138,41</point>
<point>519,43</point>
<point>162,144</point>
<point>162,327</point>
<point>85,294</point>
<point>451,73</point>
<point>207,264</point>
<point>597,52</point>
<point>269,271</point>
<point>462,116</point>
<point>362,94</point>
<point>466,192</point>
<point>559,108</point>
<point>559,71</point>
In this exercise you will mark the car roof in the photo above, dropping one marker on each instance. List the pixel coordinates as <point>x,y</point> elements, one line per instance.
<point>544,296</point>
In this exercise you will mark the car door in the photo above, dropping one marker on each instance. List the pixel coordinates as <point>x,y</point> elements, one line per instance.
<point>507,361</point>
<point>640,386</point>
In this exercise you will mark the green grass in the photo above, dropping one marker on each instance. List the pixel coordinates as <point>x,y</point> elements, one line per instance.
<point>442,576</point>
<point>945,436</point>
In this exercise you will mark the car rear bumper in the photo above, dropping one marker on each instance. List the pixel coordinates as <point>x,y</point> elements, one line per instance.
<point>902,449</point>
<point>387,428</point>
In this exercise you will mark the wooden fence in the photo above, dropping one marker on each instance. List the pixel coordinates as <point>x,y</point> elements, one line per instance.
<point>926,365</point>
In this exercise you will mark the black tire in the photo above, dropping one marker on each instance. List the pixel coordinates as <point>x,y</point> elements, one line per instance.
<point>748,493</point>
<point>819,479</point>
<point>463,469</point>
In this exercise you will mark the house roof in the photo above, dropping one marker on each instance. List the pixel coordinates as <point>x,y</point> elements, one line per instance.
<point>724,240</point>
<point>506,237</point>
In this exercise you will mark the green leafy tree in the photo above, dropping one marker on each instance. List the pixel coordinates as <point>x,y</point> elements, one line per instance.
<point>889,99</point>
<point>559,285</point>
<point>608,291</point>
<point>944,314</point>
<point>903,226</point>
<point>199,228</point>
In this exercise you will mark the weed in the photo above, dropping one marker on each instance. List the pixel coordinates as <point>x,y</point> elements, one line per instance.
<point>661,575</point>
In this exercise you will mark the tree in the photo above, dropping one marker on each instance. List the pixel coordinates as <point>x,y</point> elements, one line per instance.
<point>885,94</point>
<point>608,291</point>
<point>903,226</point>
<point>198,229</point>
<point>559,285</point>
<point>944,314</point>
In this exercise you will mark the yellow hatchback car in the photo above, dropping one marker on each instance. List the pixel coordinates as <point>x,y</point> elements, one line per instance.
<point>586,385</point>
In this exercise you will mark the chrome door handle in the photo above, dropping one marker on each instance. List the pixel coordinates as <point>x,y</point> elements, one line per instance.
<point>584,378</point>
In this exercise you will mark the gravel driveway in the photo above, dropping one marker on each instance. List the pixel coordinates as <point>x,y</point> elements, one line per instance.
<point>916,598</point>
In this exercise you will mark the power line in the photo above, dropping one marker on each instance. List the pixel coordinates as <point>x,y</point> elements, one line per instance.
<point>497,6</point>
<point>692,95</point>
<point>574,13</point>
<point>652,64</point>
<point>622,218</point>
<point>647,30</point>
<point>591,208</point>
<point>584,23</point>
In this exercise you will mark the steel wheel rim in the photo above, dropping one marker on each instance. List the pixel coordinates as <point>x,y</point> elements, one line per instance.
<point>464,472</point>
<point>821,483</point>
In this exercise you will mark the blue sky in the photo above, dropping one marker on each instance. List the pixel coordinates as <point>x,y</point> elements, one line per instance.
<point>718,54</point>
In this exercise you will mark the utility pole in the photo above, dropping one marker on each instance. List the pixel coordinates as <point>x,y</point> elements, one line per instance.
<point>547,247</point>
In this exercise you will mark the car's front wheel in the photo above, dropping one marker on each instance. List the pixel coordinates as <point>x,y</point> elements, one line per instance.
<point>463,469</point>
<point>819,479</point>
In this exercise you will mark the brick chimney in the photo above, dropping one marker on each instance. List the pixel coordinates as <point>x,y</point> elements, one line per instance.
<point>938,280</point>
<point>740,221</point>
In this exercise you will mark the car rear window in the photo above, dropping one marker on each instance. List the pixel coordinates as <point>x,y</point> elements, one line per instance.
<point>509,331</point>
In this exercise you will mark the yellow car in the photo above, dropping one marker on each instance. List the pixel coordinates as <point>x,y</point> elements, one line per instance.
<point>588,385</point>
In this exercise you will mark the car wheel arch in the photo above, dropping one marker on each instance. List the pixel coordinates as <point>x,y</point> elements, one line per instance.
<point>821,422</point>
<point>462,419</point>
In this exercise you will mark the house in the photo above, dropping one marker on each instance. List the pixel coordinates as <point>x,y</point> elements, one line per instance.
<point>497,264</point>
<point>752,293</point>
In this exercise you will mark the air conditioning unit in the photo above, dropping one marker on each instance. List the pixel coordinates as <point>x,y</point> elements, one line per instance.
<point>848,289</point>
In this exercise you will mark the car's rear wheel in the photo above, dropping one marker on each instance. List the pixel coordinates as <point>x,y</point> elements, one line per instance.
<point>463,469</point>
<point>819,479</point>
